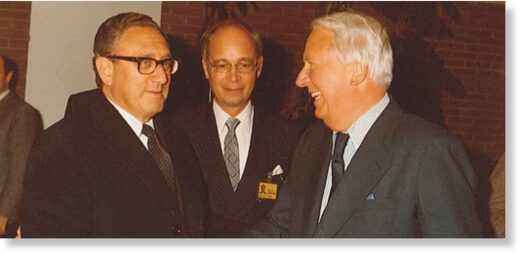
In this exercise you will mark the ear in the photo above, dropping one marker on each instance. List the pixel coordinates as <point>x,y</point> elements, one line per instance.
<point>205,67</point>
<point>260,64</point>
<point>105,69</point>
<point>359,74</point>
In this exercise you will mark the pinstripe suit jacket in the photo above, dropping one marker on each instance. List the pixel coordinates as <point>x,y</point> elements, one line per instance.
<point>272,142</point>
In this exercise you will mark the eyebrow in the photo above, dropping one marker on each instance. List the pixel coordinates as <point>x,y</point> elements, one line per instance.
<point>167,56</point>
<point>239,60</point>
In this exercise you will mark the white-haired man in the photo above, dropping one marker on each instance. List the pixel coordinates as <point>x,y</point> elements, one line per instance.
<point>368,169</point>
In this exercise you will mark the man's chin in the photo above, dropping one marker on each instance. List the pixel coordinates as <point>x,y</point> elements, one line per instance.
<point>155,107</point>
<point>319,114</point>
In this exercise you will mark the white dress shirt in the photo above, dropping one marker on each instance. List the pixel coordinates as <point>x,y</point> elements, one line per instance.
<point>134,123</point>
<point>243,131</point>
<point>357,132</point>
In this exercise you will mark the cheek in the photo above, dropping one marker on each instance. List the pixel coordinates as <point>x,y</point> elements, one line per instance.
<point>249,82</point>
<point>320,79</point>
<point>216,81</point>
<point>165,91</point>
<point>330,86</point>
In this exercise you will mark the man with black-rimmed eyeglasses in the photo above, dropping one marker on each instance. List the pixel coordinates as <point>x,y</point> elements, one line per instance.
<point>113,167</point>
<point>241,146</point>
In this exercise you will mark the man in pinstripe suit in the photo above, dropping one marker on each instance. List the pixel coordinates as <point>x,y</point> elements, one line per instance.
<point>239,145</point>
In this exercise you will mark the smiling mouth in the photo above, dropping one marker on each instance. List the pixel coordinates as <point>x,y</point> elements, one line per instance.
<point>155,93</point>
<point>234,88</point>
<point>316,95</point>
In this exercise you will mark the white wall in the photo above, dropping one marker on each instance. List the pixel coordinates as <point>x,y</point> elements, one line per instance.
<point>60,49</point>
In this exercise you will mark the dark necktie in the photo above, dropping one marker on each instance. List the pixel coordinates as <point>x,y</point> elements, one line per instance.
<point>338,164</point>
<point>161,157</point>
<point>231,155</point>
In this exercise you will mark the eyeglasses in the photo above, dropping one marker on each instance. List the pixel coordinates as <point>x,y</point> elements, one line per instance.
<point>148,65</point>
<point>223,66</point>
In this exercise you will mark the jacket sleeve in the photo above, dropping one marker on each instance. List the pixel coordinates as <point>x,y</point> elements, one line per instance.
<point>276,223</point>
<point>56,198</point>
<point>446,184</point>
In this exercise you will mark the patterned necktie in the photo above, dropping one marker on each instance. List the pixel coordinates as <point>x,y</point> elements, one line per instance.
<point>338,164</point>
<point>231,155</point>
<point>161,157</point>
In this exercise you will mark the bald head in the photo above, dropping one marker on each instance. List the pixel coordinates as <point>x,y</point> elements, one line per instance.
<point>233,23</point>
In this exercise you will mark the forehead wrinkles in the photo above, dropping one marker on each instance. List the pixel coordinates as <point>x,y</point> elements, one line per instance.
<point>143,40</point>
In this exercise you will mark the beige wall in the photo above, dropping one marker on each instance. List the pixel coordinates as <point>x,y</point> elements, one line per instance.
<point>60,49</point>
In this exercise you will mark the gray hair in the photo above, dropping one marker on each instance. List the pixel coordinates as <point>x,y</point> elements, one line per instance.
<point>362,39</point>
<point>109,33</point>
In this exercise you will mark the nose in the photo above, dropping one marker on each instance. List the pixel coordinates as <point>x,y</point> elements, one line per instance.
<point>235,76</point>
<point>302,79</point>
<point>160,75</point>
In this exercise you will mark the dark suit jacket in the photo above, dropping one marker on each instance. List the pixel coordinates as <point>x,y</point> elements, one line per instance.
<point>20,124</point>
<point>420,176</point>
<point>89,175</point>
<point>272,142</point>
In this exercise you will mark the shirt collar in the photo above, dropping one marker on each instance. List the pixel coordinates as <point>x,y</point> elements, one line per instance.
<point>4,94</point>
<point>245,117</point>
<point>359,129</point>
<point>132,121</point>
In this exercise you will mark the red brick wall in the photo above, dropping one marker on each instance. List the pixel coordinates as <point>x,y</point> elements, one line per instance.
<point>475,55</point>
<point>14,37</point>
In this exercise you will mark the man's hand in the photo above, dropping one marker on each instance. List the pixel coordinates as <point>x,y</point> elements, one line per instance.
<point>3,223</point>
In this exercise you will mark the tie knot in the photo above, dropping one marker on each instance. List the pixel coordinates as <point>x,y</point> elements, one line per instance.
<point>147,131</point>
<point>232,123</point>
<point>341,143</point>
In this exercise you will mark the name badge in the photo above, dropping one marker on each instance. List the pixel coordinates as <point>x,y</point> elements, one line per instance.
<point>267,190</point>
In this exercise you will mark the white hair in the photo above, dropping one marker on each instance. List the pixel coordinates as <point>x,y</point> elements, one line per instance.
<point>360,39</point>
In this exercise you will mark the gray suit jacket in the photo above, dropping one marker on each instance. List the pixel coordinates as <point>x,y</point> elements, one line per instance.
<point>20,123</point>
<point>409,178</point>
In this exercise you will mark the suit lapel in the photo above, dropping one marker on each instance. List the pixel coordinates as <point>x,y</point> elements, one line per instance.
<point>319,168</point>
<point>255,168</point>
<point>165,134</point>
<point>207,141</point>
<point>125,147</point>
<point>257,150</point>
<point>371,161</point>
